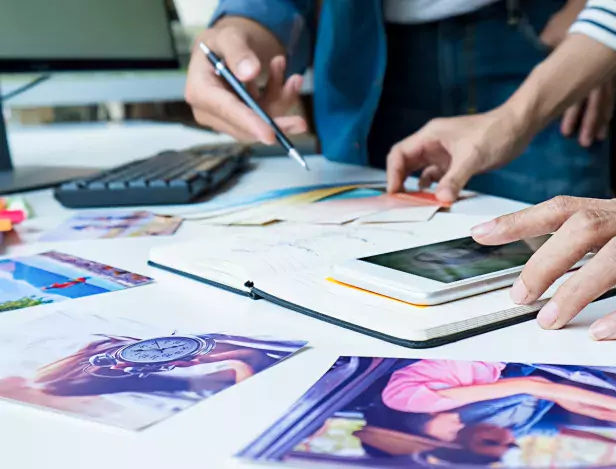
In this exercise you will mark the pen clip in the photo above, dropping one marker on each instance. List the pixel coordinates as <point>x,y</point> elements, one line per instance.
<point>220,65</point>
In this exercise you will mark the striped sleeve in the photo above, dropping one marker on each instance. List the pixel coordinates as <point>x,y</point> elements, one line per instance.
<point>598,21</point>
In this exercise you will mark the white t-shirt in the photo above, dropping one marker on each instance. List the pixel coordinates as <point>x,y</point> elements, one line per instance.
<point>423,11</point>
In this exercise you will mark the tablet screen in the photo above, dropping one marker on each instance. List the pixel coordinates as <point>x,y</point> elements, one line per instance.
<point>458,259</point>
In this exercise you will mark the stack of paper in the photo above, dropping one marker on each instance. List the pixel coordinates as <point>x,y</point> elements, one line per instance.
<point>361,204</point>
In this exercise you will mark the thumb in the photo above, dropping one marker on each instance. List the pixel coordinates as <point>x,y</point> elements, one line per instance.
<point>233,45</point>
<point>454,180</point>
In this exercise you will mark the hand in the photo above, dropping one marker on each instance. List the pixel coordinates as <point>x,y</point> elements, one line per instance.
<point>592,116</point>
<point>453,150</point>
<point>582,226</point>
<point>245,46</point>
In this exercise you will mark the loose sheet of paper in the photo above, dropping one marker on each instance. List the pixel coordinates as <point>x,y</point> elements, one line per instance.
<point>328,206</point>
<point>270,211</point>
<point>400,215</point>
<point>346,210</point>
<point>114,224</point>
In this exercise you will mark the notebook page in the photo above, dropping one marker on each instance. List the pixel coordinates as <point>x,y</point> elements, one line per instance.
<point>236,255</point>
<point>294,247</point>
<point>243,255</point>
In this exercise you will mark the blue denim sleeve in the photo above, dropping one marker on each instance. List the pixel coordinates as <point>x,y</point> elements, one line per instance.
<point>289,20</point>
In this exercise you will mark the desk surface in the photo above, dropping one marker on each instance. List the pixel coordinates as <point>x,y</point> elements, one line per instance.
<point>209,433</point>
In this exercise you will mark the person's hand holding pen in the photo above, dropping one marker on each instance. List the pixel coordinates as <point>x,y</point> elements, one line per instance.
<point>250,50</point>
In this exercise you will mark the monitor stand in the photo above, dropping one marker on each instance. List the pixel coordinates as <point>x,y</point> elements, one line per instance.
<point>28,178</point>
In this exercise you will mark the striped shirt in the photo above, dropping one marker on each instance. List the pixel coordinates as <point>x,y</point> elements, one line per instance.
<point>598,21</point>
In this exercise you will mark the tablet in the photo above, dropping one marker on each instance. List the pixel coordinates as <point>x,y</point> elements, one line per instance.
<point>441,272</point>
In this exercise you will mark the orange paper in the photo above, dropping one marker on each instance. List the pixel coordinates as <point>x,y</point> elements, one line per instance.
<point>5,225</point>
<point>424,198</point>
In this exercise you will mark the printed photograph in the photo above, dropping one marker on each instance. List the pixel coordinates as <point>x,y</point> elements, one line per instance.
<point>126,374</point>
<point>387,412</point>
<point>108,225</point>
<point>52,277</point>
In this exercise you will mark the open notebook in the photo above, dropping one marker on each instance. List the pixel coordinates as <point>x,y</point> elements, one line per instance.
<point>291,265</point>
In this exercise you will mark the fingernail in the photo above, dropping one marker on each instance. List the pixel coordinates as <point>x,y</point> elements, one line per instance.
<point>519,292</point>
<point>601,330</point>
<point>484,229</point>
<point>446,195</point>
<point>267,139</point>
<point>298,85</point>
<point>245,68</point>
<point>548,315</point>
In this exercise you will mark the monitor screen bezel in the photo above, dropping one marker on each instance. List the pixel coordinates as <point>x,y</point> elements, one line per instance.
<point>50,65</point>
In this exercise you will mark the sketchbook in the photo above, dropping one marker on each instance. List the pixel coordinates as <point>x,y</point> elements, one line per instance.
<point>291,265</point>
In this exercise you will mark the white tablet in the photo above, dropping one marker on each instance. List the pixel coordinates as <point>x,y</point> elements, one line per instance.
<point>441,272</point>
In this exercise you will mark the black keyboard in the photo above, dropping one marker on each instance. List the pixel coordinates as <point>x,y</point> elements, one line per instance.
<point>171,177</point>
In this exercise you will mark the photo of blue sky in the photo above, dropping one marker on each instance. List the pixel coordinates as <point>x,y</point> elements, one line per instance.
<point>34,280</point>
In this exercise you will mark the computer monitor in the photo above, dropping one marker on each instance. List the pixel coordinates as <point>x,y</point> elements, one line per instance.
<point>43,36</point>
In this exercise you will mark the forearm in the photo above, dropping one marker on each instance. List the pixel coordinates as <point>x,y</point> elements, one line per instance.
<point>575,68</point>
<point>556,392</point>
<point>465,395</point>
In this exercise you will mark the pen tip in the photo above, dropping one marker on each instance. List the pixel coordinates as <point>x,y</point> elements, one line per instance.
<point>297,157</point>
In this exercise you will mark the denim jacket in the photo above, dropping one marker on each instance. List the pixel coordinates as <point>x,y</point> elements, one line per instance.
<point>349,87</point>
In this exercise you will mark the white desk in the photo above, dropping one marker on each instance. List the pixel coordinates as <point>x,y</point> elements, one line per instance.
<point>78,89</point>
<point>208,434</point>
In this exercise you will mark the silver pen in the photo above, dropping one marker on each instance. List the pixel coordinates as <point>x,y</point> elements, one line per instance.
<point>240,90</point>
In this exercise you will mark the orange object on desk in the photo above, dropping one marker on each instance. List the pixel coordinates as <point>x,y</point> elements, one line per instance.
<point>5,225</point>
<point>423,198</point>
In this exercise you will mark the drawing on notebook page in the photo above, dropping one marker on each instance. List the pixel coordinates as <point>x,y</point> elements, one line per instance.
<point>245,256</point>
